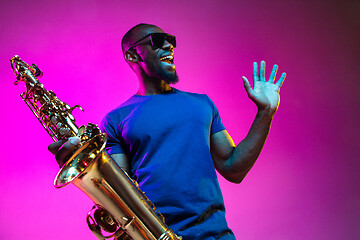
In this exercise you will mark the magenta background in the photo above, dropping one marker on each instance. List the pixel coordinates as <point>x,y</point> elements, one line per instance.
<point>305,184</point>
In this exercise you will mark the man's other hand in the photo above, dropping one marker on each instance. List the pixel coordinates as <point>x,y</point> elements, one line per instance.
<point>63,149</point>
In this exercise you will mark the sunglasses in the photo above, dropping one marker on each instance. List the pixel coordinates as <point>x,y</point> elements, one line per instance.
<point>157,40</point>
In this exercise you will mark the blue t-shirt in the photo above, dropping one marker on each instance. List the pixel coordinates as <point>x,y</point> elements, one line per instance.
<point>167,140</point>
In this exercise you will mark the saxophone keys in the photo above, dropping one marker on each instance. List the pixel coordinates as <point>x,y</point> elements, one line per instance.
<point>81,130</point>
<point>53,120</point>
<point>105,220</point>
<point>130,222</point>
<point>65,132</point>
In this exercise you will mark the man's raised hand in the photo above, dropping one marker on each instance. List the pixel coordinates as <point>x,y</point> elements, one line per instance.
<point>265,94</point>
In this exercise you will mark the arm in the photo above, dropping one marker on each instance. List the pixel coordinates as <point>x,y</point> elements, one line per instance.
<point>233,163</point>
<point>64,149</point>
<point>122,161</point>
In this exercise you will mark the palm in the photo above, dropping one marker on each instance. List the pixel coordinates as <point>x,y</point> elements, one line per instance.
<point>265,94</point>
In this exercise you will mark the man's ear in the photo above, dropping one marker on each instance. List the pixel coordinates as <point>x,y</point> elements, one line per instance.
<point>132,56</point>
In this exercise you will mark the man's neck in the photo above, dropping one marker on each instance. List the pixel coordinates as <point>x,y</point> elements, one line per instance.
<point>153,87</point>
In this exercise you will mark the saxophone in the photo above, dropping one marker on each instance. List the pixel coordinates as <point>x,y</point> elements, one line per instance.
<point>121,211</point>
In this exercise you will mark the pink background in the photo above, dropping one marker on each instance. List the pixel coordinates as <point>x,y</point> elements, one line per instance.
<point>305,184</point>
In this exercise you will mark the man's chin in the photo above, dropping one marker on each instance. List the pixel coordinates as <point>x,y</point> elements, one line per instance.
<point>171,78</point>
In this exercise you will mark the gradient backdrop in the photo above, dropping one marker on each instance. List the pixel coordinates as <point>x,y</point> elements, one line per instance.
<point>305,184</point>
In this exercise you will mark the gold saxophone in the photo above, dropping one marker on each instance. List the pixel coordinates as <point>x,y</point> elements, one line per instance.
<point>122,210</point>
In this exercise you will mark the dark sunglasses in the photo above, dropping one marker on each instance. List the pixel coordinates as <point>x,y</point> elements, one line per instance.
<point>157,40</point>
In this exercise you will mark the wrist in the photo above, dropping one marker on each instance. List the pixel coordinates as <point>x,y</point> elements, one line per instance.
<point>266,111</point>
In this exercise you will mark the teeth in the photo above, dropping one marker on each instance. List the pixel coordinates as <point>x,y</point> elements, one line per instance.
<point>167,58</point>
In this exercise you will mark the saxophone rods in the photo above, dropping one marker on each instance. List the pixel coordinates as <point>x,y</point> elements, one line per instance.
<point>122,209</point>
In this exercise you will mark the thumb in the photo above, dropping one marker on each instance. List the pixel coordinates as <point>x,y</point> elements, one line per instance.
<point>247,86</point>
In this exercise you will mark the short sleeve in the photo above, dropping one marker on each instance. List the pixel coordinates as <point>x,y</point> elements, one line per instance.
<point>114,142</point>
<point>216,125</point>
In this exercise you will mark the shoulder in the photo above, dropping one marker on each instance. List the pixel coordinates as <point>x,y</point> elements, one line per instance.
<point>202,97</point>
<point>126,107</point>
<point>119,112</point>
<point>199,96</point>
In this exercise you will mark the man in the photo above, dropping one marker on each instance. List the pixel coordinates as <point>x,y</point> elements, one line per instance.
<point>172,141</point>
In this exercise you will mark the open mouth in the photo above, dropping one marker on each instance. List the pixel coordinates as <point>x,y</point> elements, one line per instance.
<point>167,59</point>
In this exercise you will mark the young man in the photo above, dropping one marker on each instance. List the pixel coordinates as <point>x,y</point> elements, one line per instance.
<point>172,141</point>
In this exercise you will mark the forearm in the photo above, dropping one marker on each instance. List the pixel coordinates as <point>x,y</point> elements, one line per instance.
<point>248,150</point>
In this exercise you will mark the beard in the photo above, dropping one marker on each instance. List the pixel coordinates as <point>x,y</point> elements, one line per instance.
<point>161,72</point>
<point>170,77</point>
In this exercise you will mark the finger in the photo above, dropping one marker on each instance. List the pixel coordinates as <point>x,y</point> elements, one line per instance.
<point>247,85</point>
<point>67,150</point>
<point>273,73</point>
<point>54,147</point>
<point>255,72</point>
<point>281,80</point>
<point>262,71</point>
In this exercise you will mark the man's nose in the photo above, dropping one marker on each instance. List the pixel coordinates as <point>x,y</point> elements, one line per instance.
<point>167,45</point>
